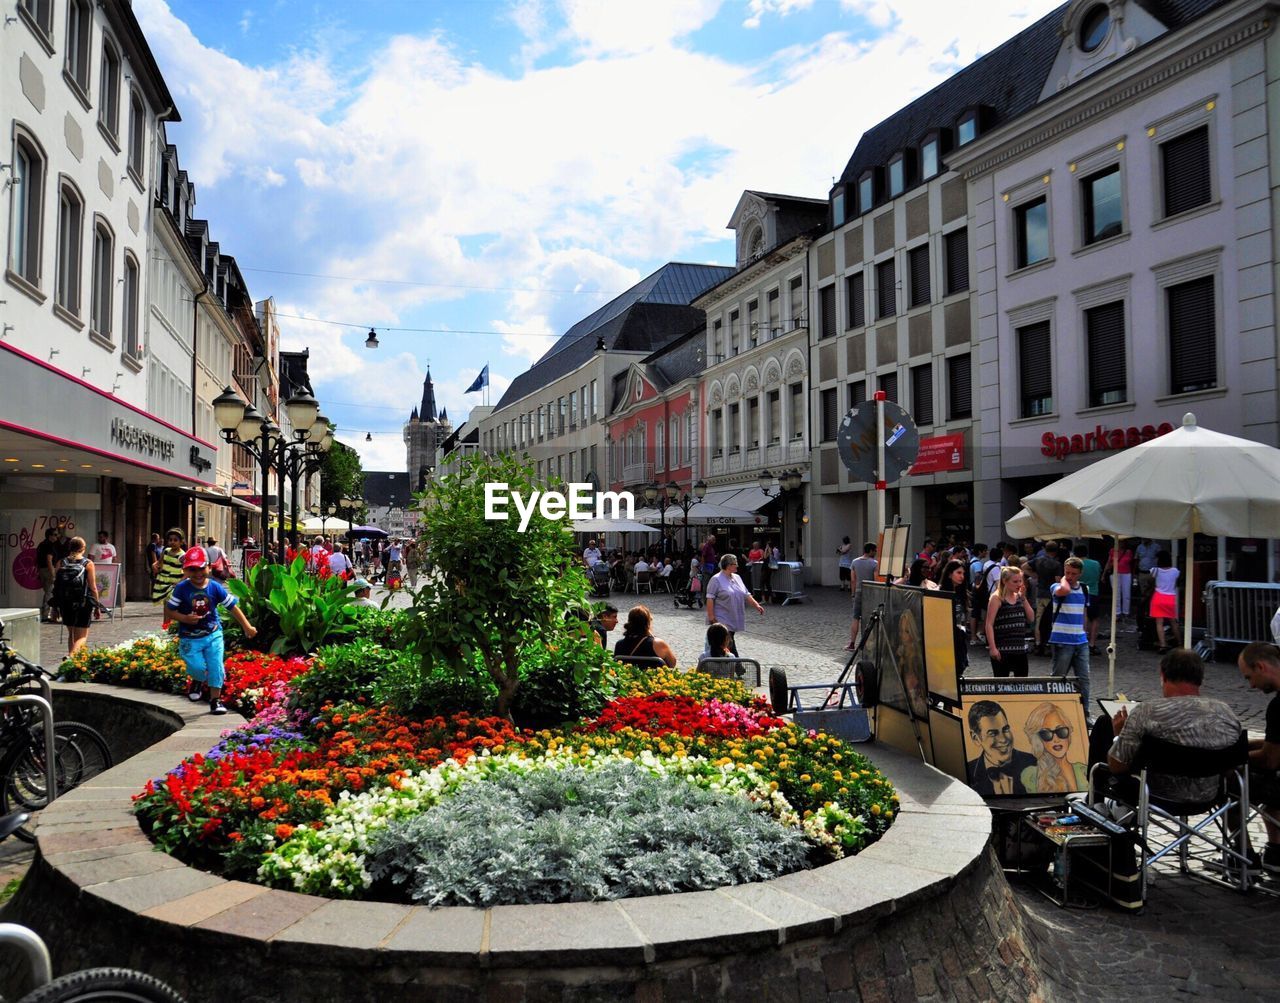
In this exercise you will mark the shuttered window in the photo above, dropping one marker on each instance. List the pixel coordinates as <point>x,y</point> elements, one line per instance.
<point>830,414</point>
<point>957,247</point>
<point>886,289</point>
<point>857,393</point>
<point>922,394</point>
<point>959,388</point>
<point>856,297</point>
<point>1185,163</point>
<point>889,384</point>
<point>1193,347</point>
<point>918,263</point>
<point>1035,370</point>
<point>827,311</point>
<point>1104,336</point>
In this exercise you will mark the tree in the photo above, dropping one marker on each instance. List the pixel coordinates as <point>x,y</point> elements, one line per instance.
<point>494,589</point>
<point>341,475</point>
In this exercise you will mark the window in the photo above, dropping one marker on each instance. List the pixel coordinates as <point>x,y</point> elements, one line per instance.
<point>582,400</point>
<point>26,207</point>
<point>595,401</point>
<point>40,12</point>
<point>1104,342</point>
<point>774,320</point>
<point>79,26</point>
<point>827,311</point>
<point>560,408</point>
<point>837,207</point>
<point>1185,165</point>
<point>918,266</point>
<point>573,408</point>
<point>796,291</point>
<point>542,422</point>
<point>1031,219</point>
<point>103,280</point>
<point>922,393</point>
<point>717,342</point>
<point>1035,367</point>
<point>717,432</point>
<point>888,383</point>
<point>856,301</point>
<point>659,446</point>
<point>70,235</point>
<point>886,290</point>
<point>929,158</point>
<point>753,323</point>
<point>830,414</point>
<point>897,176</point>
<point>1193,355</point>
<point>774,401</point>
<point>1103,214</point>
<point>857,394</point>
<point>866,191</point>
<point>734,419</point>
<point>956,246</point>
<point>688,437</point>
<point>673,444</point>
<point>137,134</point>
<point>734,333</point>
<point>959,388</point>
<point>109,90</point>
<point>797,412</point>
<point>753,422</point>
<point>967,128</point>
<point>1094,27</point>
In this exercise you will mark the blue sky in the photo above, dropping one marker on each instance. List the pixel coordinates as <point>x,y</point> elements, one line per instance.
<point>471,178</point>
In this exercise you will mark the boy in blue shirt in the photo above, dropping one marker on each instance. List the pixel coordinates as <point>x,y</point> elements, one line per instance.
<point>194,604</point>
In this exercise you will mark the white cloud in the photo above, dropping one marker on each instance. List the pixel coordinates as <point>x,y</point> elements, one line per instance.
<point>385,452</point>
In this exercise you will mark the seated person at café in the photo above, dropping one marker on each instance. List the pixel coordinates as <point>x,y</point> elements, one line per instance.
<point>1181,716</point>
<point>1259,663</point>
<point>637,639</point>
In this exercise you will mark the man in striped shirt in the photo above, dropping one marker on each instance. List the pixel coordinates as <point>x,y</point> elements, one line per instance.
<point>1068,638</point>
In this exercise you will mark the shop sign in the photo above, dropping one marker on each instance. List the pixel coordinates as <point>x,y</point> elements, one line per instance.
<point>139,439</point>
<point>1100,439</point>
<point>939,453</point>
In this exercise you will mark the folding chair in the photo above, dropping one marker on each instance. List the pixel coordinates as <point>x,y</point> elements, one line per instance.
<point>729,668</point>
<point>643,581</point>
<point>1194,830</point>
<point>1257,813</point>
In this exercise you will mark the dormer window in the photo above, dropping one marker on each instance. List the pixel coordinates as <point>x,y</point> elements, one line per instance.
<point>967,127</point>
<point>837,206</point>
<point>868,190</point>
<point>1094,27</point>
<point>929,157</point>
<point>897,176</point>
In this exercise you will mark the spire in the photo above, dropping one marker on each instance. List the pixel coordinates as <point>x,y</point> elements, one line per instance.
<point>413,415</point>
<point>444,414</point>
<point>428,410</point>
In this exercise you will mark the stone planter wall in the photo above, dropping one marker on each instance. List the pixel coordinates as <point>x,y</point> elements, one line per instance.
<point>923,914</point>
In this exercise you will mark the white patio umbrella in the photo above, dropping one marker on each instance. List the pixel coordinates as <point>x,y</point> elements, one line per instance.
<point>1191,480</point>
<point>701,512</point>
<point>611,526</point>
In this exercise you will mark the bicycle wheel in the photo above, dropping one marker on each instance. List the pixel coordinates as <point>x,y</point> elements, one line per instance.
<point>81,753</point>
<point>104,985</point>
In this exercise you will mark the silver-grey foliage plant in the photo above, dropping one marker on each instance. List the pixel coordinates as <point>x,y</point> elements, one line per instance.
<point>574,835</point>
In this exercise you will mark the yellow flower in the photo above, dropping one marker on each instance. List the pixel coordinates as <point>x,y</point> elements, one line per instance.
<point>875,809</point>
<point>773,785</point>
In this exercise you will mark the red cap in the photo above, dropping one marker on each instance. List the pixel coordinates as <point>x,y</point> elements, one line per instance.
<point>195,558</point>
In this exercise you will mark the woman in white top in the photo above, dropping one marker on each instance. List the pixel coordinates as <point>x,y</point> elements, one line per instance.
<point>1164,601</point>
<point>727,599</point>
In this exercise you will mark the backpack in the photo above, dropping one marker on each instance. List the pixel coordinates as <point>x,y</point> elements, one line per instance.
<point>71,584</point>
<point>981,591</point>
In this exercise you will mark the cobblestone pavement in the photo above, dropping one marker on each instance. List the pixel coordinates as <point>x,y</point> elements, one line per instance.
<point>1193,939</point>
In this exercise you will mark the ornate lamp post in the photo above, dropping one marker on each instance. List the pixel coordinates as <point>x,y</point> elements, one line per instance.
<point>789,482</point>
<point>242,425</point>
<point>668,496</point>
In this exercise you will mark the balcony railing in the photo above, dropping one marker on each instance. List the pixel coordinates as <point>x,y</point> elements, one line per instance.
<point>637,473</point>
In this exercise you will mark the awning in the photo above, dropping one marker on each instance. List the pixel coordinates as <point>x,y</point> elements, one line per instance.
<point>213,499</point>
<point>748,498</point>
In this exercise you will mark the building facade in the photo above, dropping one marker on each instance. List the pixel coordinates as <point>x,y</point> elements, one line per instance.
<point>424,435</point>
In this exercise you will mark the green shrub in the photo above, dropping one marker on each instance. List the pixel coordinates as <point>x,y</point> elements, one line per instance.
<point>381,626</point>
<point>419,690</point>
<point>574,835</point>
<point>569,681</point>
<point>342,672</point>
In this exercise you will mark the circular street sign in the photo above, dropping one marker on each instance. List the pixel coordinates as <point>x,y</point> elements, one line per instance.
<point>856,441</point>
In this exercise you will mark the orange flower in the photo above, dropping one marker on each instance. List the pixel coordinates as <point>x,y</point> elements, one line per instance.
<point>283,831</point>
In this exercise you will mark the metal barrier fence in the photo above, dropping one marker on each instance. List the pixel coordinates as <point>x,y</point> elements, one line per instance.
<point>1237,613</point>
<point>729,668</point>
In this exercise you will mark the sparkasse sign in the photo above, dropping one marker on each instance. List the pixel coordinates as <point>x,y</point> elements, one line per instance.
<point>1101,438</point>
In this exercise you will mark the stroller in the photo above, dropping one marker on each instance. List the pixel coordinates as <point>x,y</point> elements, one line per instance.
<point>690,594</point>
<point>600,579</point>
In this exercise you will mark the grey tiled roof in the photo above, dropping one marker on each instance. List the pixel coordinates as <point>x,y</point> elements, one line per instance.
<point>1008,81</point>
<point>646,316</point>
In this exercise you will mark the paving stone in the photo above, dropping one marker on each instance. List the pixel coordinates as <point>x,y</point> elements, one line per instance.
<point>140,861</point>
<point>263,916</point>
<point>454,935</point>
<point>696,922</point>
<point>192,909</point>
<point>52,844</point>
<point>345,929</point>
<point>569,933</point>
<point>144,892</point>
<point>799,917</point>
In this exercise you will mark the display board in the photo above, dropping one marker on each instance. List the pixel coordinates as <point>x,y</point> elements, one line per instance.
<point>892,554</point>
<point>107,578</point>
<point>1024,736</point>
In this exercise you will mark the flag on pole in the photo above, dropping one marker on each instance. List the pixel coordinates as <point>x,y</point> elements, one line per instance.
<point>481,381</point>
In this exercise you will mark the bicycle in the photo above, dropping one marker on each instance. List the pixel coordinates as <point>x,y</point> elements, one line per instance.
<point>80,752</point>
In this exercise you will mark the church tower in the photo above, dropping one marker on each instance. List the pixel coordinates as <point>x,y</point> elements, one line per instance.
<point>423,434</point>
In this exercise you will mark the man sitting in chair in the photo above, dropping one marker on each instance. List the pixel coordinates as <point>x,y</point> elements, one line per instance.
<point>1260,664</point>
<point>1182,717</point>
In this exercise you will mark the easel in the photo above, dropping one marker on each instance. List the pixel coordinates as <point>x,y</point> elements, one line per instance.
<point>877,626</point>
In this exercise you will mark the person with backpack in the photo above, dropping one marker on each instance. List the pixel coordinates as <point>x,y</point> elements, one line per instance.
<point>1068,638</point>
<point>75,593</point>
<point>980,590</point>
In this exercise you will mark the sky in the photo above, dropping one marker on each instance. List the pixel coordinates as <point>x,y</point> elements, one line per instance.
<point>472,177</point>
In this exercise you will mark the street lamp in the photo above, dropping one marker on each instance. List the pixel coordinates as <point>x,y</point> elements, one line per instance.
<point>242,425</point>
<point>789,482</point>
<point>668,496</point>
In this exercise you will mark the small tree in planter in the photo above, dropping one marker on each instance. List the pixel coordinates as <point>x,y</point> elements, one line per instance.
<point>494,589</point>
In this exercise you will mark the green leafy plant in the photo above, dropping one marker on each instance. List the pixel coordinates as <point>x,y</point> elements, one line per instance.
<point>563,683</point>
<point>495,590</point>
<point>341,672</point>
<point>575,834</point>
<point>421,689</point>
<point>294,611</point>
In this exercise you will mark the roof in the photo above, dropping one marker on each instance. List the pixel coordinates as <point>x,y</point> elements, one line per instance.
<point>1008,81</point>
<point>660,303</point>
<point>427,412</point>
<point>293,373</point>
<point>796,215</point>
<point>386,488</point>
